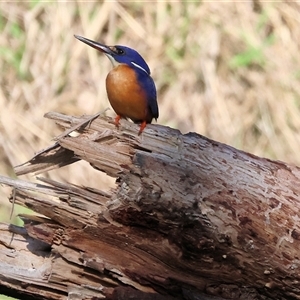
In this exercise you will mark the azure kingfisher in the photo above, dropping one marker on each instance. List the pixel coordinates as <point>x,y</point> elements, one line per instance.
<point>130,88</point>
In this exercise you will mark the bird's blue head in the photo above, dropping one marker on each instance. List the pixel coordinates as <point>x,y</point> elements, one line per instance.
<point>119,54</point>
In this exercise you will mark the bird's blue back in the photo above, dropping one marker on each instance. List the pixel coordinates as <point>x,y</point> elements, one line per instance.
<point>148,85</point>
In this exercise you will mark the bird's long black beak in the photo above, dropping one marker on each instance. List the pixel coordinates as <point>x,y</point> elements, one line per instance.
<point>96,45</point>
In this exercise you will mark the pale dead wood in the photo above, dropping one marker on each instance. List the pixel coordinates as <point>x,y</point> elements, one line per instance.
<point>190,219</point>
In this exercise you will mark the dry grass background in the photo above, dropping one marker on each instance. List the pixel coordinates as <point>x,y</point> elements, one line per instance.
<point>229,71</point>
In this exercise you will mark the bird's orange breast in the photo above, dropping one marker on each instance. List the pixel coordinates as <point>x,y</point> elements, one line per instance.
<point>125,94</point>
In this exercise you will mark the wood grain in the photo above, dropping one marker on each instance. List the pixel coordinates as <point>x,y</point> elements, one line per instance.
<point>190,218</point>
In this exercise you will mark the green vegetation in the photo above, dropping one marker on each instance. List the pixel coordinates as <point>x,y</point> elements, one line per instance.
<point>2,297</point>
<point>255,45</point>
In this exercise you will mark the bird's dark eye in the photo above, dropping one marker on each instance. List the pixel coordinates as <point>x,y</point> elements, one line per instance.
<point>120,51</point>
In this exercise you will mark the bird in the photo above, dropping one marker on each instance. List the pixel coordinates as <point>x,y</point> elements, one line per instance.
<point>130,88</point>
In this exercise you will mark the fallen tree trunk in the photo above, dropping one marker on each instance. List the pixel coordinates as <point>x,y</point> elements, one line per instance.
<point>190,218</point>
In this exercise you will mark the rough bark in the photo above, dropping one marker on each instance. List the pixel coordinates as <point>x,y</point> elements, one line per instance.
<point>190,218</point>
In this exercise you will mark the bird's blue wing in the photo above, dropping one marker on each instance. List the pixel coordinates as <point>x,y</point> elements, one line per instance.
<point>152,97</point>
<point>149,87</point>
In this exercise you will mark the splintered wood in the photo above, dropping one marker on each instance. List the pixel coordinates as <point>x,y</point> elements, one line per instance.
<point>190,218</point>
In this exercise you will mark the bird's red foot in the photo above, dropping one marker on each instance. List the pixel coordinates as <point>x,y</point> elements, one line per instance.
<point>117,121</point>
<point>142,127</point>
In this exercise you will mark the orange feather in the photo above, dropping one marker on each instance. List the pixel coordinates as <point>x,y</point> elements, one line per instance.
<point>125,95</point>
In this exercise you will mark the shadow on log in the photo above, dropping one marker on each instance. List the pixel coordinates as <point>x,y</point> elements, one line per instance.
<point>190,218</point>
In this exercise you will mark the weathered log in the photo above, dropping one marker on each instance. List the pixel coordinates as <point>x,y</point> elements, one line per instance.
<point>190,218</point>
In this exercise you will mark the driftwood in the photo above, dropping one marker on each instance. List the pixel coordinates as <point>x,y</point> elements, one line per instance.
<point>190,218</point>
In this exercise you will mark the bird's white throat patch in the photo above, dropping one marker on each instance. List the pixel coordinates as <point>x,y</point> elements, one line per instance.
<point>112,60</point>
